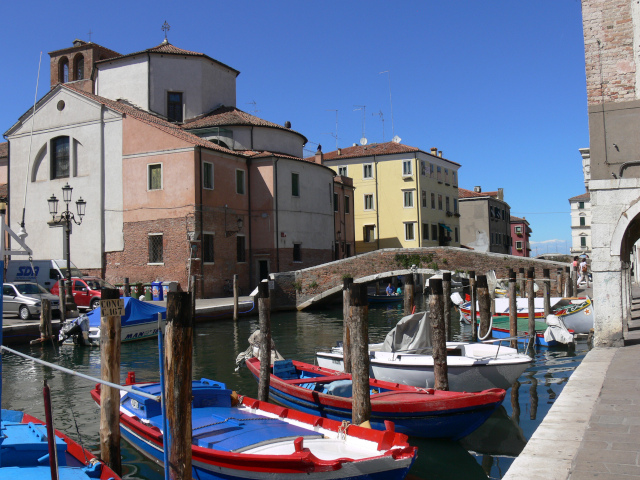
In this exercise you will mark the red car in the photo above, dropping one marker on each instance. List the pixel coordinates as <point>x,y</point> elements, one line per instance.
<point>86,291</point>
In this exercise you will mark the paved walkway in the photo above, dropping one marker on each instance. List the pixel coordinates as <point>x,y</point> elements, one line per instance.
<point>593,429</point>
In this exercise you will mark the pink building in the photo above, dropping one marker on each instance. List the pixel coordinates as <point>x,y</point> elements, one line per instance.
<point>520,234</point>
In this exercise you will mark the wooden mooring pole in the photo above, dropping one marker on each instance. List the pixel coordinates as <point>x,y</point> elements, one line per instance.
<point>574,280</point>
<point>439,341</point>
<point>568,292</point>
<point>126,289</point>
<point>346,323</point>
<point>521,277</point>
<point>235,297</point>
<point>546,287</point>
<point>359,316</point>
<point>559,285</point>
<point>110,341</point>
<point>513,309</point>
<point>63,304</point>
<point>446,293</point>
<point>515,402</point>
<point>474,297</point>
<point>532,307</point>
<point>408,294</point>
<point>178,373</point>
<point>45,322</point>
<point>484,304</point>
<point>264,312</point>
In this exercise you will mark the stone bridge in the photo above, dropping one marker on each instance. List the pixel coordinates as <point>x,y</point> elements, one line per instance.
<point>316,285</point>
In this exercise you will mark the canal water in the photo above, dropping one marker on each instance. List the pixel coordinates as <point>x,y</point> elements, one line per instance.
<point>486,453</point>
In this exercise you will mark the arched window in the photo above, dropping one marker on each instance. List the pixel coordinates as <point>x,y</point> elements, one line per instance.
<point>78,68</point>
<point>63,73</point>
<point>60,158</point>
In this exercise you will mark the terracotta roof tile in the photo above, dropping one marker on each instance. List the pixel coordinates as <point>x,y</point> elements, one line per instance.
<point>168,49</point>
<point>585,197</point>
<point>464,193</point>
<point>387,148</point>
<point>4,150</point>
<point>224,116</point>
<point>150,119</point>
<point>514,219</point>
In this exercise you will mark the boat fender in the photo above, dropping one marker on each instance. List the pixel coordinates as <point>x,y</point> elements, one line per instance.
<point>235,398</point>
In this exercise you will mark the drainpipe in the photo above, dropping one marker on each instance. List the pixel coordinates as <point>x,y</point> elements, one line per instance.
<point>103,263</point>
<point>149,82</point>
<point>375,162</point>
<point>418,200</point>
<point>249,220</point>
<point>8,245</point>
<point>201,222</point>
<point>277,232</point>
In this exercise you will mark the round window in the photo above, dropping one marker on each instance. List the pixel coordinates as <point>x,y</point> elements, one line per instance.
<point>61,105</point>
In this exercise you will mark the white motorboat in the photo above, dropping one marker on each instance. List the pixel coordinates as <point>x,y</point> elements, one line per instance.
<point>405,357</point>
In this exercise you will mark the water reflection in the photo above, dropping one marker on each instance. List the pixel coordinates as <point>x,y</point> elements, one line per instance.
<point>296,335</point>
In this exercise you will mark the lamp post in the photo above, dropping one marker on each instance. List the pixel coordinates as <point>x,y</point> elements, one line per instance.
<point>65,218</point>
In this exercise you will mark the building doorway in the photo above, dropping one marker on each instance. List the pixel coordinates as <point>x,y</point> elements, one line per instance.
<point>263,269</point>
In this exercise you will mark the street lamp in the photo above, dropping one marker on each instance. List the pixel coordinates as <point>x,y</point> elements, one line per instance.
<point>65,219</point>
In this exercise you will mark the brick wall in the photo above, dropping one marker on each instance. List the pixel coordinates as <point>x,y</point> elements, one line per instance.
<point>313,281</point>
<point>608,28</point>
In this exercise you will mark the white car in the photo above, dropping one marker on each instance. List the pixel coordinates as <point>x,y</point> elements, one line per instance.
<point>25,299</point>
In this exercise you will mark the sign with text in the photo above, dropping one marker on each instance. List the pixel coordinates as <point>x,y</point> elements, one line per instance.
<point>112,308</point>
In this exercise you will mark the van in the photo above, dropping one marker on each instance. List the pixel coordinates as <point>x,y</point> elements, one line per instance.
<point>43,272</point>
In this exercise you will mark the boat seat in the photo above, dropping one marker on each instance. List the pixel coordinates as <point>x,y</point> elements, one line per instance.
<point>285,369</point>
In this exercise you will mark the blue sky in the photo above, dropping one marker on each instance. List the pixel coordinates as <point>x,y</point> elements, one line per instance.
<point>497,85</point>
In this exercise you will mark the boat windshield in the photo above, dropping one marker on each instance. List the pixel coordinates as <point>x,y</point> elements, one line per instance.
<point>30,289</point>
<point>97,284</point>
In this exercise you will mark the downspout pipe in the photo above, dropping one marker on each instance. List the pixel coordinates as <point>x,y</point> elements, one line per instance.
<point>201,224</point>
<point>418,200</point>
<point>249,221</point>
<point>275,181</point>
<point>375,162</point>
<point>103,253</point>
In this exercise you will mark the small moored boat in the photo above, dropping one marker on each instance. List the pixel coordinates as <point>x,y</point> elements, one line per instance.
<point>239,438</point>
<point>385,298</point>
<point>415,411</point>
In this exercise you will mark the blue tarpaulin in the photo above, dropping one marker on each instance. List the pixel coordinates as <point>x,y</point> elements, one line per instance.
<point>135,312</point>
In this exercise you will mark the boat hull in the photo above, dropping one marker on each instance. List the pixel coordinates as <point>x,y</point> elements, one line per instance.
<point>385,298</point>
<point>469,374</point>
<point>415,412</point>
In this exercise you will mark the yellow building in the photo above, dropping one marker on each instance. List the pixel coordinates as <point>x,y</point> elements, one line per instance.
<point>404,197</point>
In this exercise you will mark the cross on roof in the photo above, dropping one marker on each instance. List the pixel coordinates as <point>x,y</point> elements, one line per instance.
<point>90,32</point>
<point>165,28</point>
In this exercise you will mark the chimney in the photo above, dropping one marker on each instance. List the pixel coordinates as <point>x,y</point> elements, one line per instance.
<point>440,153</point>
<point>477,189</point>
<point>500,194</point>
<point>319,156</point>
<point>434,151</point>
<point>339,151</point>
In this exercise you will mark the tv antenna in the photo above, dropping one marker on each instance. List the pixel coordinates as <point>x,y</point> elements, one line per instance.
<point>381,115</point>
<point>393,132</point>
<point>363,140</point>
<point>255,109</point>
<point>336,134</point>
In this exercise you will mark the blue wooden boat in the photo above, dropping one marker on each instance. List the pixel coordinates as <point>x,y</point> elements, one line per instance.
<point>239,438</point>
<point>385,298</point>
<point>421,412</point>
<point>24,452</point>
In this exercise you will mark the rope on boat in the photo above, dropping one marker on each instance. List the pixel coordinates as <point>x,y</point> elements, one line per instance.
<point>125,388</point>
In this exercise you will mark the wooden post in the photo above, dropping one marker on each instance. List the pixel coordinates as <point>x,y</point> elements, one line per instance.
<point>439,342</point>
<point>533,394</point>
<point>532,308</point>
<point>359,316</point>
<point>346,324</point>
<point>484,301</point>
<point>513,309</point>
<point>110,340</point>
<point>178,373</point>
<point>546,286</point>
<point>235,297</point>
<point>574,278</point>
<point>127,288</point>
<point>515,402</point>
<point>63,305</point>
<point>408,294</point>
<point>568,291</point>
<point>264,312</point>
<point>45,319</point>
<point>446,293</point>
<point>522,282</point>
<point>559,284</point>
<point>474,297</point>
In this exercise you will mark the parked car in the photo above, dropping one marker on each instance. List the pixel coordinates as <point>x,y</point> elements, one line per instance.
<point>86,291</point>
<point>25,299</point>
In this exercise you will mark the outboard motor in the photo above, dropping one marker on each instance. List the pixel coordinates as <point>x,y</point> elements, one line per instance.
<point>77,329</point>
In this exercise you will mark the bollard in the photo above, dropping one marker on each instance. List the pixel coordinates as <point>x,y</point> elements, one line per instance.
<point>408,294</point>
<point>474,319</point>
<point>532,307</point>
<point>178,373</point>
<point>235,297</point>
<point>438,340</point>
<point>446,292</point>
<point>110,340</point>
<point>546,287</point>
<point>264,312</point>
<point>346,324</point>
<point>359,317</point>
<point>522,282</point>
<point>484,304</point>
<point>513,309</point>
<point>127,288</point>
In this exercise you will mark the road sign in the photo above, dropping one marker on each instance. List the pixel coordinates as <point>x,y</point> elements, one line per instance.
<point>112,308</point>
